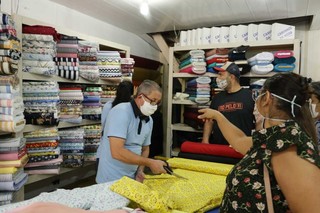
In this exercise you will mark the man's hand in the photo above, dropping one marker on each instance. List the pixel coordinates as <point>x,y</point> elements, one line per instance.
<point>140,176</point>
<point>157,166</point>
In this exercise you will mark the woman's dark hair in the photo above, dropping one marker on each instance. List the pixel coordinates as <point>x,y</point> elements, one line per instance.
<point>124,93</point>
<point>289,85</point>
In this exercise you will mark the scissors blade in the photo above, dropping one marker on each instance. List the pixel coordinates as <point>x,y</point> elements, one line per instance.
<point>178,176</point>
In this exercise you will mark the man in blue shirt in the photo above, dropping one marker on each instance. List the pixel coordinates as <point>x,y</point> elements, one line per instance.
<point>127,136</point>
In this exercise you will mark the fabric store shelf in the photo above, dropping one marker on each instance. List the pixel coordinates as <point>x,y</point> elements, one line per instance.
<point>183,102</point>
<point>30,127</point>
<point>184,127</point>
<point>279,43</point>
<point>37,184</point>
<point>67,31</point>
<point>187,75</point>
<point>36,77</point>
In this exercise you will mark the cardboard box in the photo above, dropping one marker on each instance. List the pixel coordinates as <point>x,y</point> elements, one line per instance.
<point>194,37</point>
<point>264,32</point>
<point>189,38</point>
<point>242,33</point>
<point>206,34</point>
<point>199,36</point>
<point>183,38</point>
<point>233,34</point>
<point>215,35</point>
<point>282,31</point>
<point>224,35</point>
<point>252,32</point>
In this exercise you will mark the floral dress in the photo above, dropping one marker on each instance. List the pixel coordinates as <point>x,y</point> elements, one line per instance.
<point>245,190</point>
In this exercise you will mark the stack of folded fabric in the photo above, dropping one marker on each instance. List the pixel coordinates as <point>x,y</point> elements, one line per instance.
<point>199,90</point>
<point>43,151</point>
<point>11,105</point>
<point>193,62</point>
<point>92,135</point>
<point>41,100</point>
<point>9,46</point>
<point>261,63</point>
<point>108,93</point>
<point>216,58</point>
<point>72,147</point>
<point>71,98</point>
<point>127,67</point>
<point>87,53</point>
<point>284,61</point>
<point>190,116</point>
<point>109,63</point>
<point>92,103</point>
<point>13,157</point>
<point>67,58</point>
<point>238,56</point>
<point>37,54</point>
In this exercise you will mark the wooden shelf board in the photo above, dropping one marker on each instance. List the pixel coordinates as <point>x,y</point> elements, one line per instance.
<point>30,127</point>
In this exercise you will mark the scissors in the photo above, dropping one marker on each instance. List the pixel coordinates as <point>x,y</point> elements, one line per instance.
<point>170,171</point>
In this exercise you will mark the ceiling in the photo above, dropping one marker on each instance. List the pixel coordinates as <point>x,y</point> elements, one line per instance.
<point>175,15</point>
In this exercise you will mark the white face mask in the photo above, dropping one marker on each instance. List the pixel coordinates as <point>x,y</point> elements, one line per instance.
<point>312,108</point>
<point>222,84</point>
<point>147,109</point>
<point>261,118</point>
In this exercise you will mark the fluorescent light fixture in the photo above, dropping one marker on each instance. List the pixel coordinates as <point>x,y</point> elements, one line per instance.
<point>144,8</point>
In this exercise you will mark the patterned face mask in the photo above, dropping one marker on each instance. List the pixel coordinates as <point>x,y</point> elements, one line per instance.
<point>222,84</point>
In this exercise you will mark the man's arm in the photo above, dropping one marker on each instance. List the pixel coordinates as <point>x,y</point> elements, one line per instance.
<point>119,152</point>
<point>207,129</point>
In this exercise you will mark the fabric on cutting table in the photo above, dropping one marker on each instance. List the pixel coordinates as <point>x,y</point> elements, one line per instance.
<point>162,193</point>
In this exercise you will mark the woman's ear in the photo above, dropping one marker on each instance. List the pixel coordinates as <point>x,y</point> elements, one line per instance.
<point>267,99</point>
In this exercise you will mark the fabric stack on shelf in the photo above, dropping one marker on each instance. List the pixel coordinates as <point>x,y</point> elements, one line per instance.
<point>127,67</point>
<point>216,58</point>
<point>238,56</point>
<point>92,136</point>
<point>11,104</point>
<point>41,100</point>
<point>9,46</point>
<point>92,103</point>
<point>43,151</point>
<point>109,66</point>
<point>199,90</point>
<point>261,63</point>
<point>108,93</point>
<point>37,54</point>
<point>72,147</point>
<point>67,57</point>
<point>87,53</point>
<point>71,98</point>
<point>193,62</point>
<point>284,61</point>
<point>13,157</point>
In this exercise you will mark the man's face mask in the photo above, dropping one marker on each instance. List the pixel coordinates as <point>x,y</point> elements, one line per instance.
<point>222,83</point>
<point>147,109</point>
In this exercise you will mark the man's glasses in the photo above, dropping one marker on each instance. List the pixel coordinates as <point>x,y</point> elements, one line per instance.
<point>152,102</point>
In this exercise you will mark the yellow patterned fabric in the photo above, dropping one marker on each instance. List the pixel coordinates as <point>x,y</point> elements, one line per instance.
<point>201,166</point>
<point>202,191</point>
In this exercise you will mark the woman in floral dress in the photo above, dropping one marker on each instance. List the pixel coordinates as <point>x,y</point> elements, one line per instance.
<point>286,146</point>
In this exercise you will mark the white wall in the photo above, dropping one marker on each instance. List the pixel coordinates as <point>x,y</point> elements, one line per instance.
<point>312,56</point>
<point>56,14</point>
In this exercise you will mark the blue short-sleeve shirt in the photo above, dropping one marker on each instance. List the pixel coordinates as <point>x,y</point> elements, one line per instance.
<point>123,122</point>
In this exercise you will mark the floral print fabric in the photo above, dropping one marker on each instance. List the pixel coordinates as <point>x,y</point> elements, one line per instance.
<point>245,190</point>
